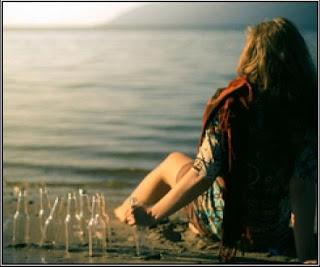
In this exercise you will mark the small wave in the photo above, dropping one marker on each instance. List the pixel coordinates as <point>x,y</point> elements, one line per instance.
<point>83,170</point>
<point>110,183</point>
<point>89,149</point>
<point>144,155</point>
<point>44,147</point>
<point>195,128</point>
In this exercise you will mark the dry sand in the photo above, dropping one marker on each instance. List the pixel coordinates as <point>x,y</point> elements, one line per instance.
<point>169,242</point>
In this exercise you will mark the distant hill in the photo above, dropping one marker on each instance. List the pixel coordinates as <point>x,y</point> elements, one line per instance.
<point>215,14</point>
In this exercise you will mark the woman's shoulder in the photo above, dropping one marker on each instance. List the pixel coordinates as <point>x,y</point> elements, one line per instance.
<point>233,88</point>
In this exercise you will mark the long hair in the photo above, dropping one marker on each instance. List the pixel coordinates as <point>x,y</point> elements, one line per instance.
<point>276,60</point>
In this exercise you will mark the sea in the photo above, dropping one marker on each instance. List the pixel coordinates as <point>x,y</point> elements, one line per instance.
<point>99,106</point>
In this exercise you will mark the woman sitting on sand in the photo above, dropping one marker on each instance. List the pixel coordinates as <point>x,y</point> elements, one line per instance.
<point>254,133</point>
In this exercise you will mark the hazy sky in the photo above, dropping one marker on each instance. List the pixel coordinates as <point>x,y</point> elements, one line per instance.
<point>56,14</point>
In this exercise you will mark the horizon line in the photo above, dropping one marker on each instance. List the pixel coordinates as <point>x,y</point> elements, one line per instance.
<point>137,27</point>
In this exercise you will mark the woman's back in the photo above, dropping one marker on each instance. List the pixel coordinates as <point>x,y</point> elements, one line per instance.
<point>277,63</point>
<point>270,164</point>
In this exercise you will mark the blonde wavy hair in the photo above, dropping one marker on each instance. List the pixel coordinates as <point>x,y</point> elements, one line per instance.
<point>276,59</point>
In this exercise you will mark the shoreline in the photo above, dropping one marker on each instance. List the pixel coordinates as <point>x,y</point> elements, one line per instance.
<point>169,242</point>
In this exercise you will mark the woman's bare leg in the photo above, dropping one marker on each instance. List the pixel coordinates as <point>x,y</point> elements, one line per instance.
<point>156,184</point>
<point>303,202</point>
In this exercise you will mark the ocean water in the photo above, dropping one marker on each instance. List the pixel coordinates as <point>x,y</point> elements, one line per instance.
<point>107,106</point>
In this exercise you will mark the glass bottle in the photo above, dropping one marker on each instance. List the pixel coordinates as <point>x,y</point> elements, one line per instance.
<point>60,225</point>
<point>50,226</point>
<point>84,213</point>
<point>96,229</point>
<point>138,232</point>
<point>21,220</point>
<point>105,216</point>
<point>74,233</point>
<point>35,231</point>
<point>45,207</point>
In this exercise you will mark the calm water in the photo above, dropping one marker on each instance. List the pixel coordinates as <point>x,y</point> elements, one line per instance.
<point>108,105</point>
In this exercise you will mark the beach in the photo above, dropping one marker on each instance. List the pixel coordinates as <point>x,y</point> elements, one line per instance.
<point>169,242</point>
<point>98,109</point>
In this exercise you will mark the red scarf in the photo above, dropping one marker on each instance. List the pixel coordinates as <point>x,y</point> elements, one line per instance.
<point>231,105</point>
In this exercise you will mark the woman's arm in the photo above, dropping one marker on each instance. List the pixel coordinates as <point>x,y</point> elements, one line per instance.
<point>303,194</point>
<point>187,189</point>
<point>206,168</point>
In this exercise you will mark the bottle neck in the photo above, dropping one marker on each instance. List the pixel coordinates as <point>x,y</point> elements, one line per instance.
<point>41,198</point>
<point>98,206</point>
<point>81,204</point>
<point>44,199</point>
<point>54,207</point>
<point>72,205</point>
<point>22,205</point>
<point>61,212</point>
<point>103,205</point>
<point>94,207</point>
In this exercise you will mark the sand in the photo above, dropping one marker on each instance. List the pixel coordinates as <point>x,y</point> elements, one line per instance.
<point>170,242</point>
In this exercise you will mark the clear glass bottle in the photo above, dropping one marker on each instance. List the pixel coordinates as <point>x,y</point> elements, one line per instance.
<point>105,217</point>
<point>74,232</point>
<point>84,213</point>
<point>59,222</point>
<point>139,233</point>
<point>50,226</point>
<point>96,230</point>
<point>21,220</point>
<point>45,207</point>
<point>35,231</point>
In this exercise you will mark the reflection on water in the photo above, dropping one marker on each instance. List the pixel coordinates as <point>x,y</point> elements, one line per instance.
<point>100,104</point>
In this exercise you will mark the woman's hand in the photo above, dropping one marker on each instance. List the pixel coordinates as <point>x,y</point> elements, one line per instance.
<point>140,216</point>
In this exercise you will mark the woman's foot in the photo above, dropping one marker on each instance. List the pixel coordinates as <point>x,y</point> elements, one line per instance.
<point>121,213</point>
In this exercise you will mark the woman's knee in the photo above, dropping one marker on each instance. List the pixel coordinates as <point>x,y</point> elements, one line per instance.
<point>177,156</point>
<point>172,165</point>
<point>176,160</point>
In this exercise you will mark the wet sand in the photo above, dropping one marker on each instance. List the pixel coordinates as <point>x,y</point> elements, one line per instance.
<point>169,242</point>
